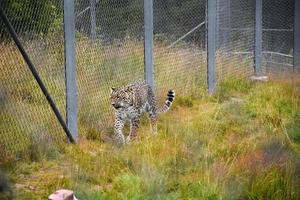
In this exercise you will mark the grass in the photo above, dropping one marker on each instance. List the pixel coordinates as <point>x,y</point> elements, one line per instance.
<point>99,67</point>
<point>241,143</point>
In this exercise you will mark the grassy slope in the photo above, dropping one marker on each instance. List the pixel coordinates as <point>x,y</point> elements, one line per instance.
<point>242,143</point>
<point>99,68</point>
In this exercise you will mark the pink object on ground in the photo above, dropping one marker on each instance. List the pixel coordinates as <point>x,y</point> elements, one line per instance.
<point>62,195</point>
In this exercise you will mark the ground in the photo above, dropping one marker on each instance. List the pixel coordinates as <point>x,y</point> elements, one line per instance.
<point>241,143</point>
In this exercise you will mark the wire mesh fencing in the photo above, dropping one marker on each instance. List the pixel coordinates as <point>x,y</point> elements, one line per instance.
<point>110,53</point>
<point>179,46</point>
<point>27,122</point>
<point>278,36</point>
<point>235,38</point>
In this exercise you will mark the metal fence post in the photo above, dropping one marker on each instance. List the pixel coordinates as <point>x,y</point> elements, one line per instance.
<point>35,74</point>
<point>297,36</point>
<point>70,67</point>
<point>228,21</point>
<point>258,37</point>
<point>148,49</point>
<point>211,15</point>
<point>93,19</point>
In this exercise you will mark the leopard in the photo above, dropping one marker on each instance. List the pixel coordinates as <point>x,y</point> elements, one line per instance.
<point>129,102</point>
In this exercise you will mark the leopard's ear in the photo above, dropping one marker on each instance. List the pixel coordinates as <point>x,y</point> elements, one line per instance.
<point>112,89</point>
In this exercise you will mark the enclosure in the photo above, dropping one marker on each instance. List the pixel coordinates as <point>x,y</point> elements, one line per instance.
<point>226,137</point>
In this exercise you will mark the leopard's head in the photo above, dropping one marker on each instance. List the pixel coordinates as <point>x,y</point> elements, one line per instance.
<point>120,98</point>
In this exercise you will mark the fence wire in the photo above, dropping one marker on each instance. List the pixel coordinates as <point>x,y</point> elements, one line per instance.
<point>278,36</point>
<point>179,46</point>
<point>235,38</point>
<point>110,53</point>
<point>27,122</point>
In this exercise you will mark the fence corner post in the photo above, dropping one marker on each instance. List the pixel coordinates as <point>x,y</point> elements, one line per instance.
<point>93,19</point>
<point>148,45</point>
<point>297,36</point>
<point>70,68</point>
<point>258,38</point>
<point>211,15</point>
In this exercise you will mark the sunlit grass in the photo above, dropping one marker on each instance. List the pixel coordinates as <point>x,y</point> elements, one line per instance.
<point>243,142</point>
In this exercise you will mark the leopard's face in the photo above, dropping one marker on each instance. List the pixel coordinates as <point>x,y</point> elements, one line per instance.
<point>120,99</point>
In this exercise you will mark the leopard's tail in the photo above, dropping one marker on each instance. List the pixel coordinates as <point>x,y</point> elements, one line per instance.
<point>168,102</point>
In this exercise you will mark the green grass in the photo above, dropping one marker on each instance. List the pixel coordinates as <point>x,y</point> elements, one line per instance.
<point>241,143</point>
<point>99,67</point>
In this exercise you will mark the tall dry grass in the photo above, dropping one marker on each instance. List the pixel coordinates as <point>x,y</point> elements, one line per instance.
<point>241,143</point>
<point>99,67</point>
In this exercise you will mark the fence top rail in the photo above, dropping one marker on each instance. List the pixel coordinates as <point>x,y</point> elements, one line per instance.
<point>265,52</point>
<point>280,63</point>
<point>277,53</point>
<point>251,29</point>
<point>188,33</point>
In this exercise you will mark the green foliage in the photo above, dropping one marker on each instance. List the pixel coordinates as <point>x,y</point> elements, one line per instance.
<point>274,104</point>
<point>8,150</point>
<point>198,190</point>
<point>233,86</point>
<point>184,101</point>
<point>89,195</point>
<point>126,186</point>
<point>36,16</point>
<point>294,133</point>
<point>177,17</point>
<point>120,18</point>
<point>93,134</point>
<point>42,147</point>
<point>274,185</point>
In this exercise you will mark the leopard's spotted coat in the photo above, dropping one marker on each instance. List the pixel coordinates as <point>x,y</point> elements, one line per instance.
<point>129,102</point>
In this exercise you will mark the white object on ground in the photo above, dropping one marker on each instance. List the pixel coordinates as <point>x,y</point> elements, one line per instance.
<point>62,195</point>
<point>259,78</point>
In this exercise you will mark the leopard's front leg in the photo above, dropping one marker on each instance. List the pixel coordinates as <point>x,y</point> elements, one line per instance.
<point>134,126</point>
<point>118,129</point>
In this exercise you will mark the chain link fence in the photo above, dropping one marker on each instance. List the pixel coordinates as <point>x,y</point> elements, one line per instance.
<point>179,46</point>
<point>278,36</point>
<point>235,38</point>
<point>110,53</point>
<point>27,122</point>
